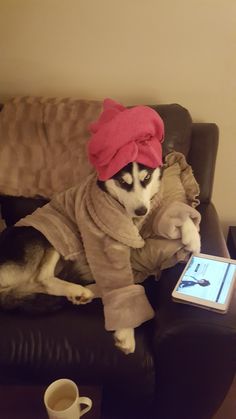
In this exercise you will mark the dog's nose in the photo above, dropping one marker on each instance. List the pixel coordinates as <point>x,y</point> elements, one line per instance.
<point>141,211</point>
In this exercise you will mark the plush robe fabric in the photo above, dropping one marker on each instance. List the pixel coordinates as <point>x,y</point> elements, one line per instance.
<point>87,225</point>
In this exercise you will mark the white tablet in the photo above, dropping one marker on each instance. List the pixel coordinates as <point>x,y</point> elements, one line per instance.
<point>207,281</point>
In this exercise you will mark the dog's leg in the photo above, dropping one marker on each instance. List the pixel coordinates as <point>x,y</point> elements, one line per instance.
<point>52,285</point>
<point>75,293</point>
<point>190,236</point>
<point>125,340</point>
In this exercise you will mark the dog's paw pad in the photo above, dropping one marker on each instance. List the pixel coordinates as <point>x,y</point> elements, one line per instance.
<point>84,296</point>
<point>125,340</point>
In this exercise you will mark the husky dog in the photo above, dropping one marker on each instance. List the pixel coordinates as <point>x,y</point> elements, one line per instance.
<point>30,265</point>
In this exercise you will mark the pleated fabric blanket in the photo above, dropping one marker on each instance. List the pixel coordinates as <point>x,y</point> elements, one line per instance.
<point>43,144</point>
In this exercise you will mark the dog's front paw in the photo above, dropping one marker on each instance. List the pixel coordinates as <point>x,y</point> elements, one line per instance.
<point>78,294</point>
<point>125,340</point>
<point>190,237</point>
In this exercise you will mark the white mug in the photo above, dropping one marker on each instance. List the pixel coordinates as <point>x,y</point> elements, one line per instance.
<point>62,400</point>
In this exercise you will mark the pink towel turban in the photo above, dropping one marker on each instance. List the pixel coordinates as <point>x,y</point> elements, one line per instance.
<point>121,136</point>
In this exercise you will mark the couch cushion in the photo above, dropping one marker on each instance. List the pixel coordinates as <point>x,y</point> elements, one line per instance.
<point>72,342</point>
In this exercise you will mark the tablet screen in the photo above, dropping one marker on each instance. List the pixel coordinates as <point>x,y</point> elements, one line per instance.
<point>207,279</point>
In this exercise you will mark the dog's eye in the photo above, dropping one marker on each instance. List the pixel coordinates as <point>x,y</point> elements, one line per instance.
<point>124,184</point>
<point>147,177</point>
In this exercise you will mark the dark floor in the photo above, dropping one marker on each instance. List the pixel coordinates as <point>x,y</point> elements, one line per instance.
<point>228,408</point>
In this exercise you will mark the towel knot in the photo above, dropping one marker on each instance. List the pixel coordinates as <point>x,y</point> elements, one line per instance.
<point>124,135</point>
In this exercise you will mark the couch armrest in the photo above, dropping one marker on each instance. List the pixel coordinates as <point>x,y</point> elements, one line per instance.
<point>212,238</point>
<point>194,348</point>
<point>202,156</point>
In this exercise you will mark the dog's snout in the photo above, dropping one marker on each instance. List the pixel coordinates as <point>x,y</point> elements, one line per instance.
<point>141,211</point>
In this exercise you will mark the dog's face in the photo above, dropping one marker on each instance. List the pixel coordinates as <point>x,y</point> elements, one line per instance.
<point>134,186</point>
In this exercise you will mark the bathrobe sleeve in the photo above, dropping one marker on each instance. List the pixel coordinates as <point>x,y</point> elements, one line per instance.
<point>180,197</point>
<point>168,222</point>
<point>125,303</point>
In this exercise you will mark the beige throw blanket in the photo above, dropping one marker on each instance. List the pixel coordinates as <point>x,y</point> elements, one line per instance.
<point>43,145</point>
<point>86,224</point>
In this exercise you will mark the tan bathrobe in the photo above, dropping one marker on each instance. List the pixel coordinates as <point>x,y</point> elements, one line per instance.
<point>87,225</point>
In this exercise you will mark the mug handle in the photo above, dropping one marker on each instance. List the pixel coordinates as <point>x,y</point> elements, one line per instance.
<point>85,400</point>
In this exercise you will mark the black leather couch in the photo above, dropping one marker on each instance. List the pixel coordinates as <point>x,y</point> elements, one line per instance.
<point>184,361</point>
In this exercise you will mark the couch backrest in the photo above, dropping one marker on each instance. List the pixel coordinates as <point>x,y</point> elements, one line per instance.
<point>179,136</point>
<point>178,128</point>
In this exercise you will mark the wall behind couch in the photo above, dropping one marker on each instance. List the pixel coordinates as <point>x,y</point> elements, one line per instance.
<point>136,51</point>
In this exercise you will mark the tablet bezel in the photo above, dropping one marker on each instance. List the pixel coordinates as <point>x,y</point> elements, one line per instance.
<point>199,302</point>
